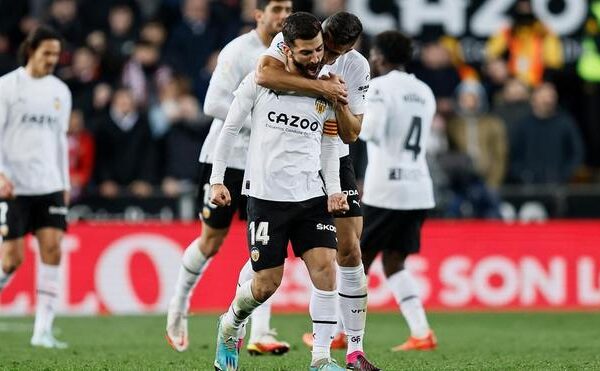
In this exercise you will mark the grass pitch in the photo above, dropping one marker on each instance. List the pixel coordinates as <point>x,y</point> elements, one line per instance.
<point>467,341</point>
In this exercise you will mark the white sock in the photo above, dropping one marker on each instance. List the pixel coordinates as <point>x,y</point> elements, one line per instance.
<point>323,311</point>
<point>4,277</point>
<point>405,292</point>
<point>353,305</point>
<point>47,297</point>
<point>261,316</point>
<point>240,309</point>
<point>193,263</point>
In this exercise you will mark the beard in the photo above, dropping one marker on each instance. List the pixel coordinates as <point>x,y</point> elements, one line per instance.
<point>310,70</point>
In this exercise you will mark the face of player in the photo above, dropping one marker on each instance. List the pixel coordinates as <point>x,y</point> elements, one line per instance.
<point>307,56</point>
<point>334,51</point>
<point>43,60</point>
<point>273,16</point>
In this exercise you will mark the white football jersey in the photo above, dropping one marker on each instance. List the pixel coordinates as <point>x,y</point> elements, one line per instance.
<point>236,60</point>
<point>352,67</point>
<point>286,143</point>
<point>34,118</point>
<point>396,127</point>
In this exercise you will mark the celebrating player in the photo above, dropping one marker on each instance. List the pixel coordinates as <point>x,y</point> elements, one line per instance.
<point>34,174</point>
<point>341,32</point>
<point>290,141</point>
<point>398,188</point>
<point>235,61</point>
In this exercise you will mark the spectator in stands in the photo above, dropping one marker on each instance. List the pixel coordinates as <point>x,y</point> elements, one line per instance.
<point>125,150</point>
<point>8,61</point>
<point>195,39</point>
<point>512,105</point>
<point>185,127</point>
<point>435,68</point>
<point>531,47</point>
<point>64,18</point>
<point>121,33</point>
<point>155,33</point>
<point>144,73</point>
<point>547,148</point>
<point>479,135</point>
<point>494,77</point>
<point>588,68</point>
<point>82,77</point>
<point>81,155</point>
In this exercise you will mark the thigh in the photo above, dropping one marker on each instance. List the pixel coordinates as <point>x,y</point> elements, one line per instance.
<point>213,216</point>
<point>14,218</point>
<point>313,227</point>
<point>349,188</point>
<point>267,233</point>
<point>49,211</point>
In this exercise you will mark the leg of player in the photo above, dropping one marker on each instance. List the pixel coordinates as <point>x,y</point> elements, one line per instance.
<point>12,253</point>
<point>320,263</point>
<point>405,291</point>
<point>262,337</point>
<point>195,259</point>
<point>47,288</point>
<point>249,296</point>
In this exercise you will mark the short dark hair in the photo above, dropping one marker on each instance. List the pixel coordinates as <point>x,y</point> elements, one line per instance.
<point>262,4</point>
<point>34,39</point>
<point>343,28</point>
<point>300,25</point>
<point>395,47</point>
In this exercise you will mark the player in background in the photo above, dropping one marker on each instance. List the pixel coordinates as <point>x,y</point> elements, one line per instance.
<point>398,189</point>
<point>235,61</point>
<point>292,183</point>
<point>343,63</point>
<point>34,173</point>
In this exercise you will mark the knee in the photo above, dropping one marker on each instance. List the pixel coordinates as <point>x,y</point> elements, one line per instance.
<point>349,252</point>
<point>211,242</point>
<point>9,266</point>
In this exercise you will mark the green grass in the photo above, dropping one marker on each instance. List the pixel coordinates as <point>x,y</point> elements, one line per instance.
<point>467,341</point>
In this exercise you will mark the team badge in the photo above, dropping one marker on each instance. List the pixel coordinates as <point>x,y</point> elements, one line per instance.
<point>205,212</point>
<point>320,105</point>
<point>255,254</point>
<point>57,104</point>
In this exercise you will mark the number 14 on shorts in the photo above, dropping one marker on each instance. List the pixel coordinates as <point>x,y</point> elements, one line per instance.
<point>260,233</point>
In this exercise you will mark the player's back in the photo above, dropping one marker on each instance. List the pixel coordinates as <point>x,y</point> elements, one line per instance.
<point>397,175</point>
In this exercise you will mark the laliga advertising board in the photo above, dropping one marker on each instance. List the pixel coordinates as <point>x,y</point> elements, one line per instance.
<point>131,268</point>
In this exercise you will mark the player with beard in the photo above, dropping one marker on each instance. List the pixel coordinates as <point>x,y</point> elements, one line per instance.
<point>236,60</point>
<point>35,107</point>
<point>345,65</point>
<point>292,183</point>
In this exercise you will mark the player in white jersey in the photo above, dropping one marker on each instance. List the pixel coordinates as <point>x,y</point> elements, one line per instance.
<point>398,188</point>
<point>35,107</point>
<point>341,32</point>
<point>292,181</point>
<point>235,61</point>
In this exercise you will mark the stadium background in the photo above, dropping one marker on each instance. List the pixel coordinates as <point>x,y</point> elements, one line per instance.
<point>133,207</point>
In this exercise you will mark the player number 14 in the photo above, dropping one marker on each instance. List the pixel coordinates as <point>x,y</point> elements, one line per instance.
<point>260,233</point>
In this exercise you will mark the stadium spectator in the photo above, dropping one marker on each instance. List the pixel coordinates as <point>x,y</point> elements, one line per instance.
<point>155,33</point>
<point>82,76</point>
<point>64,18</point>
<point>121,33</point>
<point>547,147</point>
<point>125,150</point>
<point>530,46</point>
<point>512,105</point>
<point>495,75</point>
<point>81,154</point>
<point>479,135</point>
<point>8,62</point>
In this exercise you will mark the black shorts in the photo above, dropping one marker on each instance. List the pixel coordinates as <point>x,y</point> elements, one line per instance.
<point>272,224</point>
<point>220,217</point>
<point>349,187</point>
<point>386,229</point>
<point>24,214</point>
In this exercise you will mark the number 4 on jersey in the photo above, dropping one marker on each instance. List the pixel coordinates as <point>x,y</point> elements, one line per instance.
<point>413,139</point>
<point>260,234</point>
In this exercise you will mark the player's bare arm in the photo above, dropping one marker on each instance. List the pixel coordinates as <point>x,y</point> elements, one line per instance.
<point>272,74</point>
<point>219,195</point>
<point>349,124</point>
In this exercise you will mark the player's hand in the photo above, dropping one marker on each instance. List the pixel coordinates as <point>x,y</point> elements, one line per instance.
<point>6,187</point>
<point>337,203</point>
<point>334,89</point>
<point>219,195</point>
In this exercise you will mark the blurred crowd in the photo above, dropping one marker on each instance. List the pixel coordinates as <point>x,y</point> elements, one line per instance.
<point>139,70</point>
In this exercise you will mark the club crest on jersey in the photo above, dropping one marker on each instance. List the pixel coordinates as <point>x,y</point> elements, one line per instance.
<point>57,104</point>
<point>320,105</point>
<point>205,213</point>
<point>255,254</point>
